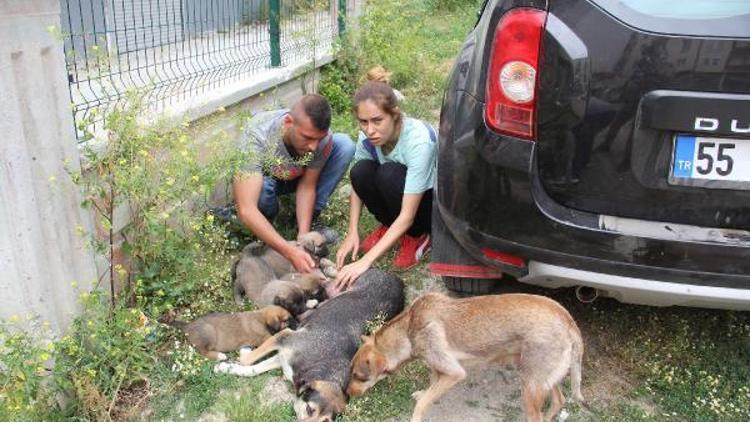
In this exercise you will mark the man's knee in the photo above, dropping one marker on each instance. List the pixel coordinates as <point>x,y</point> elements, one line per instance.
<point>343,147</point>
<point>268,202</point>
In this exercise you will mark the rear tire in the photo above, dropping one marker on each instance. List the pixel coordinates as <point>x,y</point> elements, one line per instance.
<point>473,286</point>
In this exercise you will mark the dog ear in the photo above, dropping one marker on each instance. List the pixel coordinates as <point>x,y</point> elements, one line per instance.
<point>366,339</point>
<point>274,321</point>
<point>334,396</point>
<point>378,360</point>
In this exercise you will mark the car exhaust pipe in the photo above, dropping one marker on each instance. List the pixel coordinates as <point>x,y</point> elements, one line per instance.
<point>586,294</point>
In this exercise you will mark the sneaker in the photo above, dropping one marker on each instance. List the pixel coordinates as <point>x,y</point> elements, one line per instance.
<point>373,238</point>
<point>331,235</point>
<point>227,214</point>
<point>411,250</point>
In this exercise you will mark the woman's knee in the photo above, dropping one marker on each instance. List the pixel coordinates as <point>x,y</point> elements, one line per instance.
<point>363,172</point>
<point>391,177</point>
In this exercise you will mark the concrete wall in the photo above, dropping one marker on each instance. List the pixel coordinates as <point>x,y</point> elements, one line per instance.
<point>40,251</point>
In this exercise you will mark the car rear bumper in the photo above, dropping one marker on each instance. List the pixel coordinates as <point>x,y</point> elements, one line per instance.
<point>638,290</point>
<point>626,282</point>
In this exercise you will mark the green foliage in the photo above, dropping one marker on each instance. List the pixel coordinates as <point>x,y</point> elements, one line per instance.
<point>25,357</point>
<point>452,5</point>
<point>690,364</point>
<point>246,406</point>
<point>106,356</point>
<point>164,181</point>
<point>416,41</point>
<point>391,397</point>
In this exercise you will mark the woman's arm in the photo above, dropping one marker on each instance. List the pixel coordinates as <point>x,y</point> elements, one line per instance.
<point>351,241</point>
<point>409,205</point>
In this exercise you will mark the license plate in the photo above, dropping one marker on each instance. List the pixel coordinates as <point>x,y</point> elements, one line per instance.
<point>711,162</point>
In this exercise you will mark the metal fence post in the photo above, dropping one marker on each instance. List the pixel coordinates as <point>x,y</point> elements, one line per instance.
<point>274,15</point>
<point>342,16</point>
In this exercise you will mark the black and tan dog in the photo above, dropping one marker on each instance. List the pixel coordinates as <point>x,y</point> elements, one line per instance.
<point>532,332</point>
<point>220,332</point>
<point>316,358</point>
<point>258,266</point>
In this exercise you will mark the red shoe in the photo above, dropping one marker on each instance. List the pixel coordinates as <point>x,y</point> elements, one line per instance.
<point>373,238</point>
<point>411,250</point>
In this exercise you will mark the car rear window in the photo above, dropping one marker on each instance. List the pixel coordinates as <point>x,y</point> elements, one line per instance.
<point>719,18</point>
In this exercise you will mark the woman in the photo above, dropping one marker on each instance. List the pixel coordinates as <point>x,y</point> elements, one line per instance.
<point>393,176</point>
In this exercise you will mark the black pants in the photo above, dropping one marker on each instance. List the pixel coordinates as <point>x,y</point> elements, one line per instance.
<point>381,188</point>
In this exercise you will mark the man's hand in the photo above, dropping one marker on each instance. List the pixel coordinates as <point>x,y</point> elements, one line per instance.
<point>350,244</point>
<point>301,260</point>
<point>349,274</point>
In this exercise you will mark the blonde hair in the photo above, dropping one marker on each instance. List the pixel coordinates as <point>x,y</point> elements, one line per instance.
<point>379,74</point>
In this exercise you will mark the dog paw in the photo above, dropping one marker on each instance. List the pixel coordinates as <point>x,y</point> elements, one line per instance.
<point>244,351</point>
<point>311,303</point>
<point>221,356</point>
<point>222,368</point>
<point>417,394</point>
<point>326,263</point>
<point>330,272</point>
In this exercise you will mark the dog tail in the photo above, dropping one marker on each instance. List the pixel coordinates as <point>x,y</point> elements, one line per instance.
<point>576,368</point>
<point>169,320</point>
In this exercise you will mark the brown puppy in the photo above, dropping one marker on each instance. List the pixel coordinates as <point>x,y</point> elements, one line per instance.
<point>533,332</point>
<point>312,284</point>
<point>219,332</point>
<point>286,294</point>
<point>259,265</point>
<point>313,243</point>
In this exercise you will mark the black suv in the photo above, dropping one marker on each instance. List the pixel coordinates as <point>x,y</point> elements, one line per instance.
<point>600,143</point>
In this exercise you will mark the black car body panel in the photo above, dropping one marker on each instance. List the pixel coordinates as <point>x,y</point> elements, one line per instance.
<point>593,190</point>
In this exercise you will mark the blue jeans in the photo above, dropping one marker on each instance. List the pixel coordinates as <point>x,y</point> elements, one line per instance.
<point>333,170</point>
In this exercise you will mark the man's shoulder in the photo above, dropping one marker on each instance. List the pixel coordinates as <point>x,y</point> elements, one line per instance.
<point>264,123</point>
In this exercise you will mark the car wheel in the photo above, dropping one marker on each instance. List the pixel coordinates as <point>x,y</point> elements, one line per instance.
<point>474,286</point>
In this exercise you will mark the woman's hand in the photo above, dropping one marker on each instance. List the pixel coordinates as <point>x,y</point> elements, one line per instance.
<point>349,274</point>
<point>350,244</point>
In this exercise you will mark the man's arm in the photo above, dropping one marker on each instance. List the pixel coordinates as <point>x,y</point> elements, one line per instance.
<point>306,193</point>
<point>247,188</point>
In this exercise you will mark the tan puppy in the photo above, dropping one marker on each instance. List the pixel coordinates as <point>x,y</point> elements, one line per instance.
<point>532,332</point>
<point>219,332</point>
<point>313,243</point>
<point>312,284</point>
<point>286,294</point>
<point>257,266</point>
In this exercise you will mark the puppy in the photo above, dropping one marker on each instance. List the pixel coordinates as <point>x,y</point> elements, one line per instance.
<point>316,358</point>
<point>313,243</point>
<point>257,266</point>
<point>312,284</point>
<point>533,332</point>
<point>286,294</point>
<point>218,332</point>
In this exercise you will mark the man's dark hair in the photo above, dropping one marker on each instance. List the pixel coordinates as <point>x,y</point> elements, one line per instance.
<point>315,107</point>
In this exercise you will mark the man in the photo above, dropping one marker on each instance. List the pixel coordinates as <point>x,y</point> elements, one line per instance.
<point>292,151</point>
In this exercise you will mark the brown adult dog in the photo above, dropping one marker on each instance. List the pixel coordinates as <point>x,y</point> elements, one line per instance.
<point>533,332</point>
<point>219,332</point>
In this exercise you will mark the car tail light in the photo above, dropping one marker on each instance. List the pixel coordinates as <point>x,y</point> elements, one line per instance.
<point>511,81</point>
